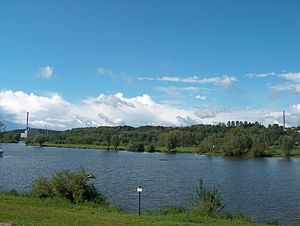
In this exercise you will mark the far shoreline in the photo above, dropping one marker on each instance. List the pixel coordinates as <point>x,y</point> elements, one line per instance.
<point>179,150</point>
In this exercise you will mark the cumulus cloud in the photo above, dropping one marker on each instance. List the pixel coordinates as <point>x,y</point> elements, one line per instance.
<point>225,80</point>
<point>186,121</point>
<point>46,72</point>
<point>50,111</point>
<point>57,113</point>
<point>111,121</point>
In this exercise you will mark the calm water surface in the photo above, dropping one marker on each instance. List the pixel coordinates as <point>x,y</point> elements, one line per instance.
<point>263,189</point>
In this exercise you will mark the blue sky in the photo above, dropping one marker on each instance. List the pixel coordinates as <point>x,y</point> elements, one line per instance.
<point>195,61</point>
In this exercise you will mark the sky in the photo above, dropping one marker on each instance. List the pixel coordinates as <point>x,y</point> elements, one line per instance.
<point>171,63</point>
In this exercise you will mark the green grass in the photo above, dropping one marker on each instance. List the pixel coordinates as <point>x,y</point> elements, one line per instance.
<point>25,210</point>
<point>273,151</point>
<point>120,148</point>
<point>81,146</point>
<point>276,151</point>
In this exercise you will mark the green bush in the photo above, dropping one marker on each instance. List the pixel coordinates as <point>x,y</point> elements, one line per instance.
<point>40,139</point>
<point>207,202</point>
<point>150,148</point>
<point>136,146</point>
<point>73,186</point>
<point>28,141</point>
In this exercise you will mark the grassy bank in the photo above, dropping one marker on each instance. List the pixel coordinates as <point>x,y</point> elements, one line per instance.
<point>276,151</point>
<point>120,148</point>
<point>22,210</point>
<point>273,151</point>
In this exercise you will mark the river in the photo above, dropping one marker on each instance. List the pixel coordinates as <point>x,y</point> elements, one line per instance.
<point>262,189</point>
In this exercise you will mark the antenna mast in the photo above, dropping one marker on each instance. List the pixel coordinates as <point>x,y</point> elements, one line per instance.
<point>27,121</point>
<point>283,117</point>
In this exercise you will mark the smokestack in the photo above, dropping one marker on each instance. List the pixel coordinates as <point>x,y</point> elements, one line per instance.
<point>27,121</point>
<point>283,115</point>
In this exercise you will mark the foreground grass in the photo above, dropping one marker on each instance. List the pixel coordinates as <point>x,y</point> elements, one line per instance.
<point>24,210</point>
<point>273,151</point>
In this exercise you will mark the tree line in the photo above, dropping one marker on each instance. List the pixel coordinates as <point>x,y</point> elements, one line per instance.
<point>231,139</point>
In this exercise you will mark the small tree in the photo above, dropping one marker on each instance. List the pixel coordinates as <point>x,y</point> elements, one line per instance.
<point>28,141</point>
<point>258,147</point>
<point>40,139</point>
<point>287,143</point>
<point>236,142</point>
<point>115,141</point>
<point>209,144</point>
<point>107,138</point>
<point>171,140</point>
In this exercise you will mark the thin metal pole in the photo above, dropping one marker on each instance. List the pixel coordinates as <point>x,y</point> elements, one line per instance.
<point>27,119</point>
<point>140,203</point>
<point>283,120</point>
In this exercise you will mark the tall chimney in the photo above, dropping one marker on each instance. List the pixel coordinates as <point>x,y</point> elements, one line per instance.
<point>283,115</point>
<point>27,121</point>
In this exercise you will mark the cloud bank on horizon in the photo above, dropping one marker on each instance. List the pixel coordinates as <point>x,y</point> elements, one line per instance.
<point>54,112</point>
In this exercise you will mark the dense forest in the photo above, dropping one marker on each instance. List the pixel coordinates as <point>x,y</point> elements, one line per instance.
<point>231,139</point>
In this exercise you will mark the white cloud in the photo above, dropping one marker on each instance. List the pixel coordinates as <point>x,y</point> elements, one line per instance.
<point>260,75</point>
<point>199,97</point>
<point>291,76</point>
<point>57,113</point>
<point>174,90</point>
<point>186,121</point>
<point>288,87</point>
<point>225,80</point>
<point>292,85</point>
<point>111,121</point>
<point>208,112</point>
<point>104,71</point>
<point>50,111</point>
<point>46,72</point>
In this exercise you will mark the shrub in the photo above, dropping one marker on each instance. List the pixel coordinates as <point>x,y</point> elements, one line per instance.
<point>40,139</point>
<point>28,141</point>
<point>287,143</point>
<point>135,146</point>
<point>150,148</point>
<point>72,186</point>
<point>207,202</point>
